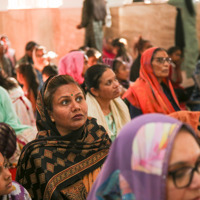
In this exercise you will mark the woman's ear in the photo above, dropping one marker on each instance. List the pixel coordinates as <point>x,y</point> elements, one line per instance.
<point>94,92</point>
<point>51,116</point>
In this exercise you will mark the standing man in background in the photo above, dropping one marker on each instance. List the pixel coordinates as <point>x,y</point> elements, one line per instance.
<point>93,19</point>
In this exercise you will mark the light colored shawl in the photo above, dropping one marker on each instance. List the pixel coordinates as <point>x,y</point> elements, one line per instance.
<point>137,164</point>
<point>118,108</point>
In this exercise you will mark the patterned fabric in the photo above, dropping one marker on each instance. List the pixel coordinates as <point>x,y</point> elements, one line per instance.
<point>53,166</point>
<point>7,140</point>
<point>146,93</point>
<point>18,193</point>
<point>115,188</point>
<point>149,147</point>
<point>137,163</point>
<point>72,64</point>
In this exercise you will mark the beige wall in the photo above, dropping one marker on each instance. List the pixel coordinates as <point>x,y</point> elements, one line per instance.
<point>155,22</point>
<point>55,28</point>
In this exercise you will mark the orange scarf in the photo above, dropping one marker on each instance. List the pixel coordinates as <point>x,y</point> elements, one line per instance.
<point>189,117</point>
<point>146,93</point>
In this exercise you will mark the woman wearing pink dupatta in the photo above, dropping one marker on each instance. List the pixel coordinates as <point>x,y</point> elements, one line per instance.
<point>73,64</point>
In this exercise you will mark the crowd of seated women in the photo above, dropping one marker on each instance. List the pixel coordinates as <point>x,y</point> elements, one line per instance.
<point>66,132</point>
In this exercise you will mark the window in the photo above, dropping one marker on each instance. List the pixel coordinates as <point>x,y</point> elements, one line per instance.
<point>24,4</point>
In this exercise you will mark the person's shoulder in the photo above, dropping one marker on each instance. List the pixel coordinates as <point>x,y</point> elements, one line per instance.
<point>19,192</point>
<point>3,91</point>
<point>22,60</point>
<point>16,186</point>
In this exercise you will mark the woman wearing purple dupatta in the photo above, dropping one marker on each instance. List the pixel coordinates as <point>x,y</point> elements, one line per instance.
<point>155,157</point>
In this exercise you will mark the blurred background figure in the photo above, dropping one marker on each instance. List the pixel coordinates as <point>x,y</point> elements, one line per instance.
<point>9,52</point>
<point>5,63</point>
<point>40,60</point>
<point>93,19</point>
<point>122,74</point>
<point>49,70</point>
<point>186,33</point>
<point>107,55</point>
<point>28,57</point>
<point>75,64</point>
<point>140,46</point>
<point>194,103</point>
<point>93,56</point>
<point>21,103</point>
<point>27,77</point>
<point>175,75</point>
<point>120,51</point>
<point>108,49</point>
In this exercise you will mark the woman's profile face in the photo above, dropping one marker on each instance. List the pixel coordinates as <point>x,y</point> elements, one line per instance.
<point>108,87</point>
<point>160,65</point>
<point>184,156</point>
<point>115,50</point>
<point>5,178</point>
<point>92,61</point>
<point>69,108</point>
<point>123,72</point>
<point>176,56</point>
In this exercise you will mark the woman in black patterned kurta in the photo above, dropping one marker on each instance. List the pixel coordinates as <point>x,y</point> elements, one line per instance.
<point>65,159</point>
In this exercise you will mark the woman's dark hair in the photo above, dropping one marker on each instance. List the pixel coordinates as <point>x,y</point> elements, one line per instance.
<point>190,7</point>
<point>5,82</point>
<point>116,64</point>
<point>7,140</point>
<point>155,51</point>
<point>50,70</point>
<point>29,73</point>
<point>122,52</point>
<point>171,50</point>
<point>91,52</point>
<point>139,45</point>
<point>53,84</point>
<point>30,45</point>
<point>93,75</point>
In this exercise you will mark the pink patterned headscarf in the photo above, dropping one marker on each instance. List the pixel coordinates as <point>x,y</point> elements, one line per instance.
<point>72,64</point>
<point>137,164</point>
